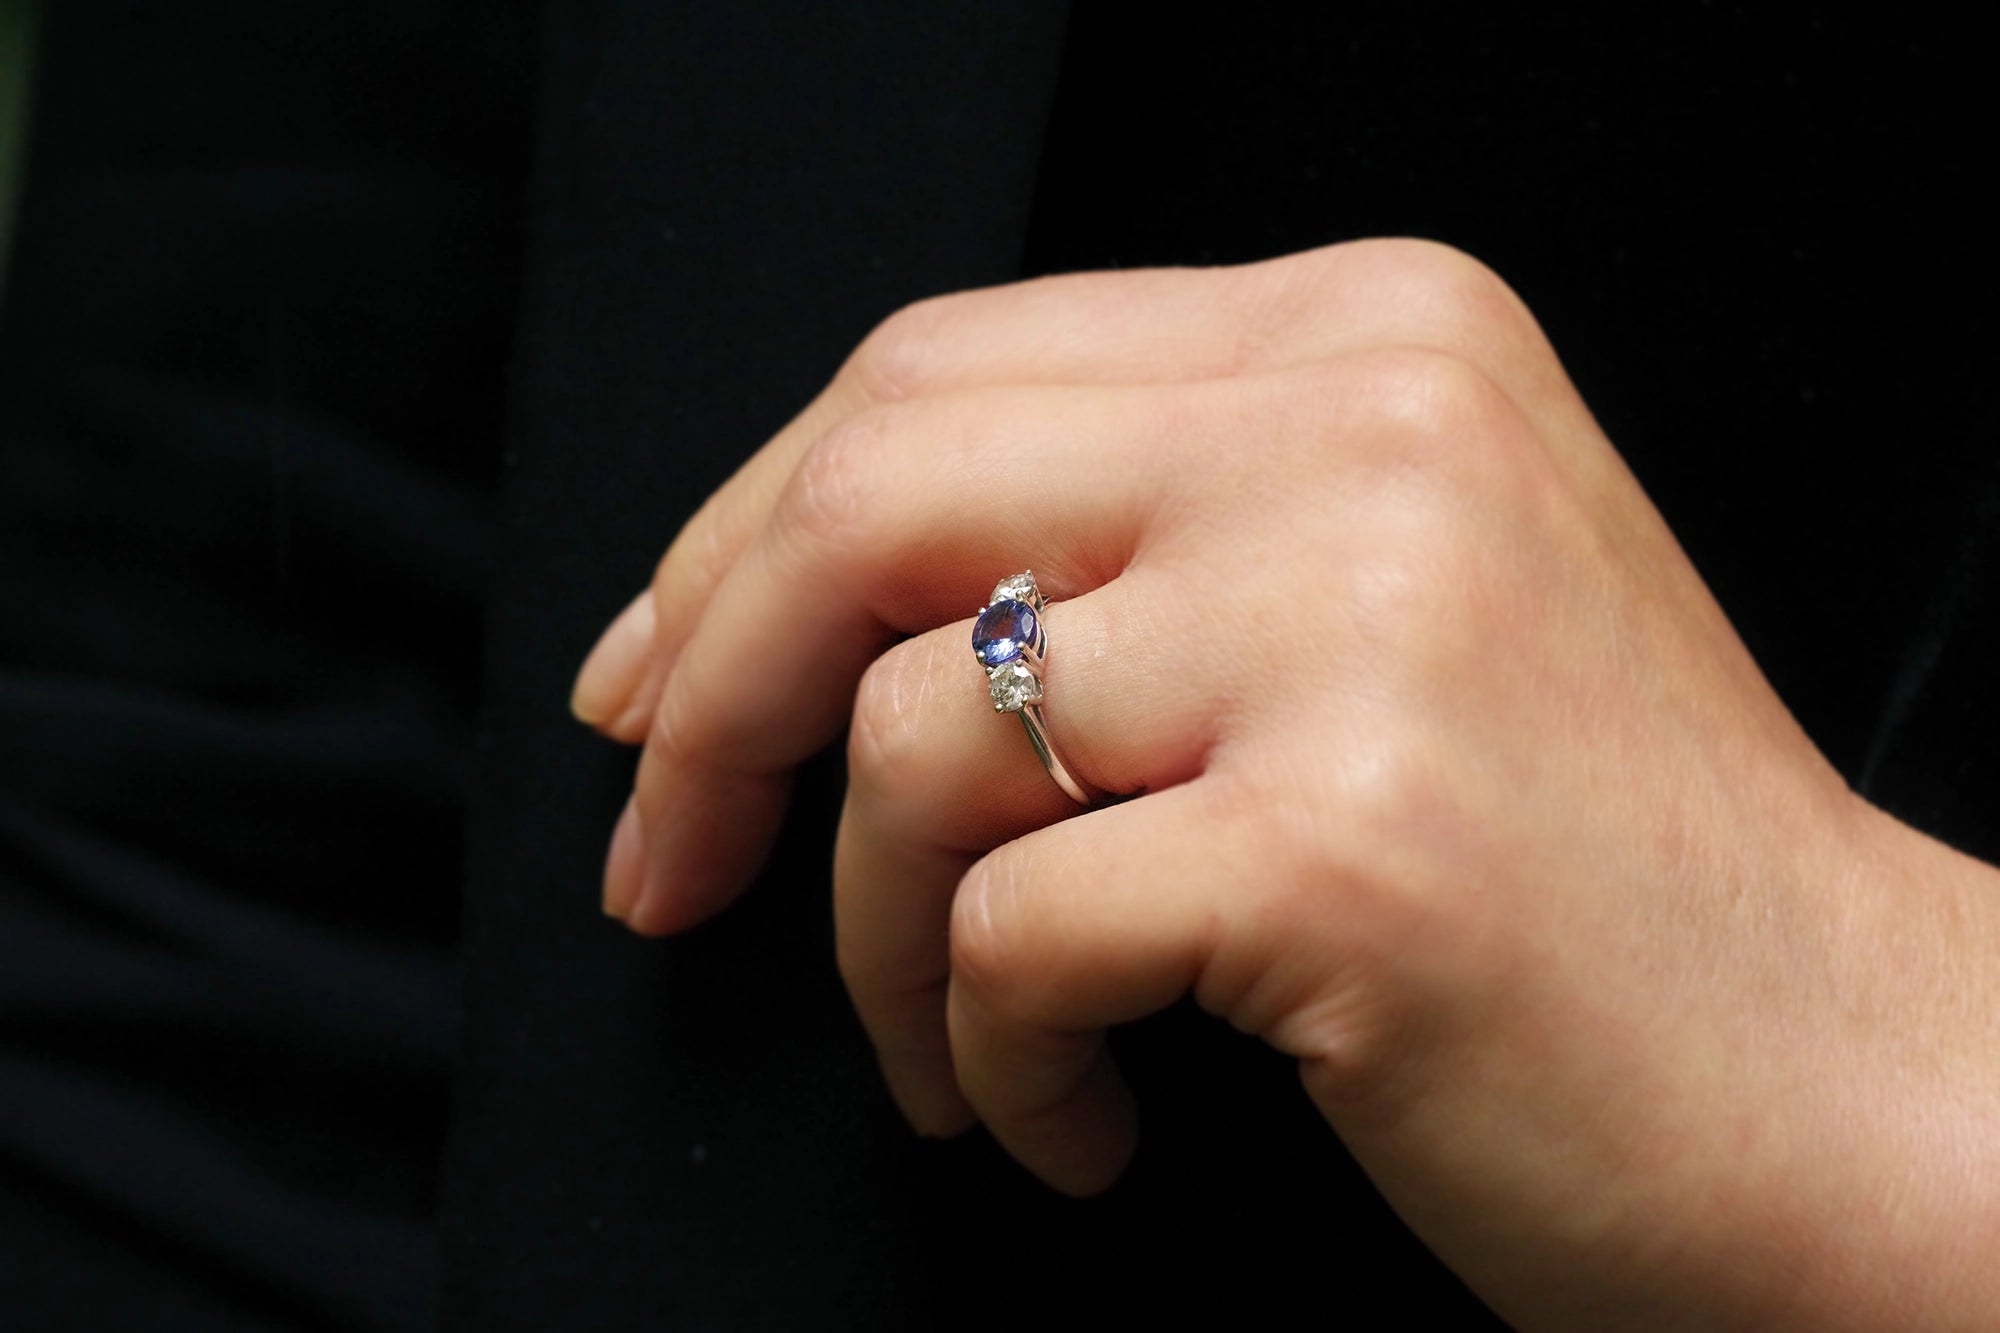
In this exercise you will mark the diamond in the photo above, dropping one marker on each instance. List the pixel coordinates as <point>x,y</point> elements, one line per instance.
<point>1013,687</point>
<point>1017,588</point>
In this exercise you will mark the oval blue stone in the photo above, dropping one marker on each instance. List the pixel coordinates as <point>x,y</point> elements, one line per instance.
<point>1002,631</point>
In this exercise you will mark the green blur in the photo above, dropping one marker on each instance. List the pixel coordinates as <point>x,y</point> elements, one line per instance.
<point>17,34</point>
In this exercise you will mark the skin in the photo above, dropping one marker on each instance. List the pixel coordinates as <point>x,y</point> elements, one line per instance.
<point>1458,787</point>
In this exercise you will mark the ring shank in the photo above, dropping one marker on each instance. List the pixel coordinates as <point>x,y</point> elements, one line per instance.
<point>1037,729</point>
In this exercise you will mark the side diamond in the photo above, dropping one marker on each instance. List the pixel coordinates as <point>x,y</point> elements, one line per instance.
<point>1017,588</point>
<point>1013,687</point>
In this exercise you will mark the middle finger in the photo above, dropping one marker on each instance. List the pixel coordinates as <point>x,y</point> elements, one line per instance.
<point>935,780</point>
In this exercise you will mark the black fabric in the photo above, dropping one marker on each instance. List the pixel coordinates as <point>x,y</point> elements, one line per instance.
<point>251,390</point>
<point>251,359</point>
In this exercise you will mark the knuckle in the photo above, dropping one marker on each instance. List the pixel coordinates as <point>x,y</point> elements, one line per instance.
<point>1340,838</point>
<point>1424,393</point>
<point>884,749</point>
<point>1431,415</point>
<point>1452,292</point>
<point>1359,859</point>
<point>1390,793</point>
<point>1459,451</point>
<point>1429,293</point>
<point>1460,481</point>
<point>1401,605</point>
<point>831,493</point>
<point>1323,895</point>
<point>990,946</point>
<point>1416,837</point>
<point>908,353</point>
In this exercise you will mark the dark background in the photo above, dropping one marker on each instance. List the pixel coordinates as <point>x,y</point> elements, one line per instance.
<point>357,362</point>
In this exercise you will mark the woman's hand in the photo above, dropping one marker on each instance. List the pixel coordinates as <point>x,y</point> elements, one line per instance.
<point>1456,784</point>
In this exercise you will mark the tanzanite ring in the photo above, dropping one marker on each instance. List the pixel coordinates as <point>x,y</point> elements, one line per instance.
<point>1011,643</point>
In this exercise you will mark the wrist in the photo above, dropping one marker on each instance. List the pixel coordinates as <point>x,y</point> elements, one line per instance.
<point>1894,1144</point>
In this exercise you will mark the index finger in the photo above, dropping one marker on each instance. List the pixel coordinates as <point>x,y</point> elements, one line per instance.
<point>1075,329</point>
<point>1152,326</point>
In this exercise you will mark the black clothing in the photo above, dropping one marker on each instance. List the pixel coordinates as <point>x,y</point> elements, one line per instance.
<point>250,354</point>
<point>260,414</point>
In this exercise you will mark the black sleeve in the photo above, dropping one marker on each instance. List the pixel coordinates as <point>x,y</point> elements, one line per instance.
<point>251,350</point>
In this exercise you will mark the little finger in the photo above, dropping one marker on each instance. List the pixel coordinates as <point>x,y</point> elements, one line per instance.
<point>1058,935</point>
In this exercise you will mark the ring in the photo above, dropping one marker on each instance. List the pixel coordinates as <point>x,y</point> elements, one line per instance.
<point>1011,644</point>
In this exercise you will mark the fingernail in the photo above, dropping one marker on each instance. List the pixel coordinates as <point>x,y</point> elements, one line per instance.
<point>615,665</point>
<point>622,863</point>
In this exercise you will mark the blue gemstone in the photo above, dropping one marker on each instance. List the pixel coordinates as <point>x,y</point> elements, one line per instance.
<point>1002,631</point>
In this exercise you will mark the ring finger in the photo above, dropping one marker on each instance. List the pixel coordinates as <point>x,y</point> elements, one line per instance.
<point>893,524</point>
<point>935,780</point>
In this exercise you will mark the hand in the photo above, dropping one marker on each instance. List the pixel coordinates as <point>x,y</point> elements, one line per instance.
<point>1457,786</point>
